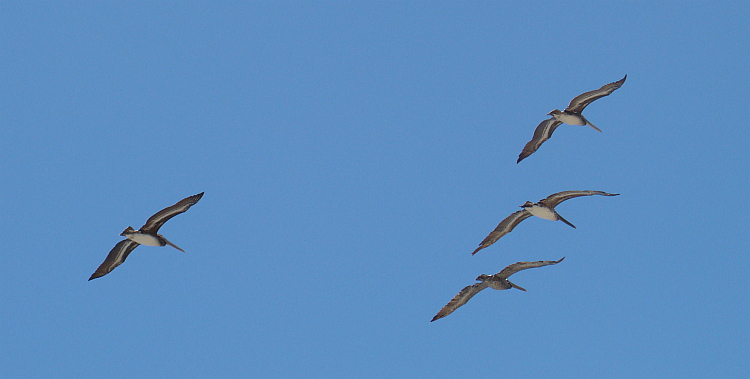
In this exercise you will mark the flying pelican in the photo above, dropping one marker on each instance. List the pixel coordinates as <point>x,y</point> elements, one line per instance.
<point>545,209</point>
<point>571,115</point>
<point>146,235</point>
<point>498,281</point>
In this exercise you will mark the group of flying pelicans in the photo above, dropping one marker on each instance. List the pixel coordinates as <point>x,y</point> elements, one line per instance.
<point>545,208</point>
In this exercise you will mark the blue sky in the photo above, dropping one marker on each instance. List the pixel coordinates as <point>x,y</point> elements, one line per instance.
<point>353,155</point>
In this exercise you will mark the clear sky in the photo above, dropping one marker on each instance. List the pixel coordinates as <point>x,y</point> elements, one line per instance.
<point>353,155</point>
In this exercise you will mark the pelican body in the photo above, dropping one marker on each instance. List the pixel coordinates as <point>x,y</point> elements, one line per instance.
<point>147,239</point>
<point>498,281</point>
<point>146,235</point>
<point>545,209</point>
<point>571,115</point>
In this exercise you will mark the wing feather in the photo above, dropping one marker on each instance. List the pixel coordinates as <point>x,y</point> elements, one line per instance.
<point>581,101</point>
<point>116,256</point>
<point>542,133</point>
<point>557,198</point>
<point>519,266</point>
<point>156,221</point>
<point>503,228</point>
<point>467,293</point>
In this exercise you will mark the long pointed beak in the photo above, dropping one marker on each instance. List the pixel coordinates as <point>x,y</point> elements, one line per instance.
<point>595,128</point>
<point>513,285</point>
<point>565,221</point>
<point>173,245</point>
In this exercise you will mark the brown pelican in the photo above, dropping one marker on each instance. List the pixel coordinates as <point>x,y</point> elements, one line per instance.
<point>146,235</point>
<point>571,115</point>
<point>545,209</point>
<point>498,281</point>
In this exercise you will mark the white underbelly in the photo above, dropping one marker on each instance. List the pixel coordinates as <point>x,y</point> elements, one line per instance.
<point>543,212</point>
<point>570,119</point>
<point>145,239</point>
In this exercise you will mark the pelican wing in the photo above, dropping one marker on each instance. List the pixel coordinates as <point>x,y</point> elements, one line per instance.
<point>516,267</point>
<point>555,199</point>
<point>156,221</point>
<point>467,293</point>
<point>542,133</point>
<point>581,101</point>
<point>115,258</point>
<point>503,228</point>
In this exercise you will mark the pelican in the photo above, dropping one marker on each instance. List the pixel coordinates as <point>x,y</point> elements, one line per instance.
<point>498,281</point>
<point>146,235</point>
<point>545,209</point>
<point>571,115</point>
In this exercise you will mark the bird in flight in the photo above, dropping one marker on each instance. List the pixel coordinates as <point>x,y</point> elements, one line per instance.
<point>498,281</point>
<point>146,235</point>
<point>571,115</point>
<point>545,209</point>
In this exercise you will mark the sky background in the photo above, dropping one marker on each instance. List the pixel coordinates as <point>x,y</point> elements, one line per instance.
<point>353,155</point>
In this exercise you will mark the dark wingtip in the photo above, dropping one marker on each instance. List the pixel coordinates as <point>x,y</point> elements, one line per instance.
<point>561,259</point>
<point>523,156</point>
<point>97,274</point>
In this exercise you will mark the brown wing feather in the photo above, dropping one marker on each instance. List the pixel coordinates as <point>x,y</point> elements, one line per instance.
<point>542,133</point>
<point>503,228</point>
<point>467,293</point>
<point>116,256</point>
<point>519,266</point>
<point>557,198</point>
<point>156,221</point>
<point>581,101</point>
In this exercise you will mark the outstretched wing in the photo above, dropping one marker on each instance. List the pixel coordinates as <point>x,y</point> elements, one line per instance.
<point>557,198</point>
<point>467,293</point>
<point>503,228</point>
<point>156,221</point>
<point>516,267</point>
<point>116,256</point>
<point>581,101</point>
<point>542,133</point>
